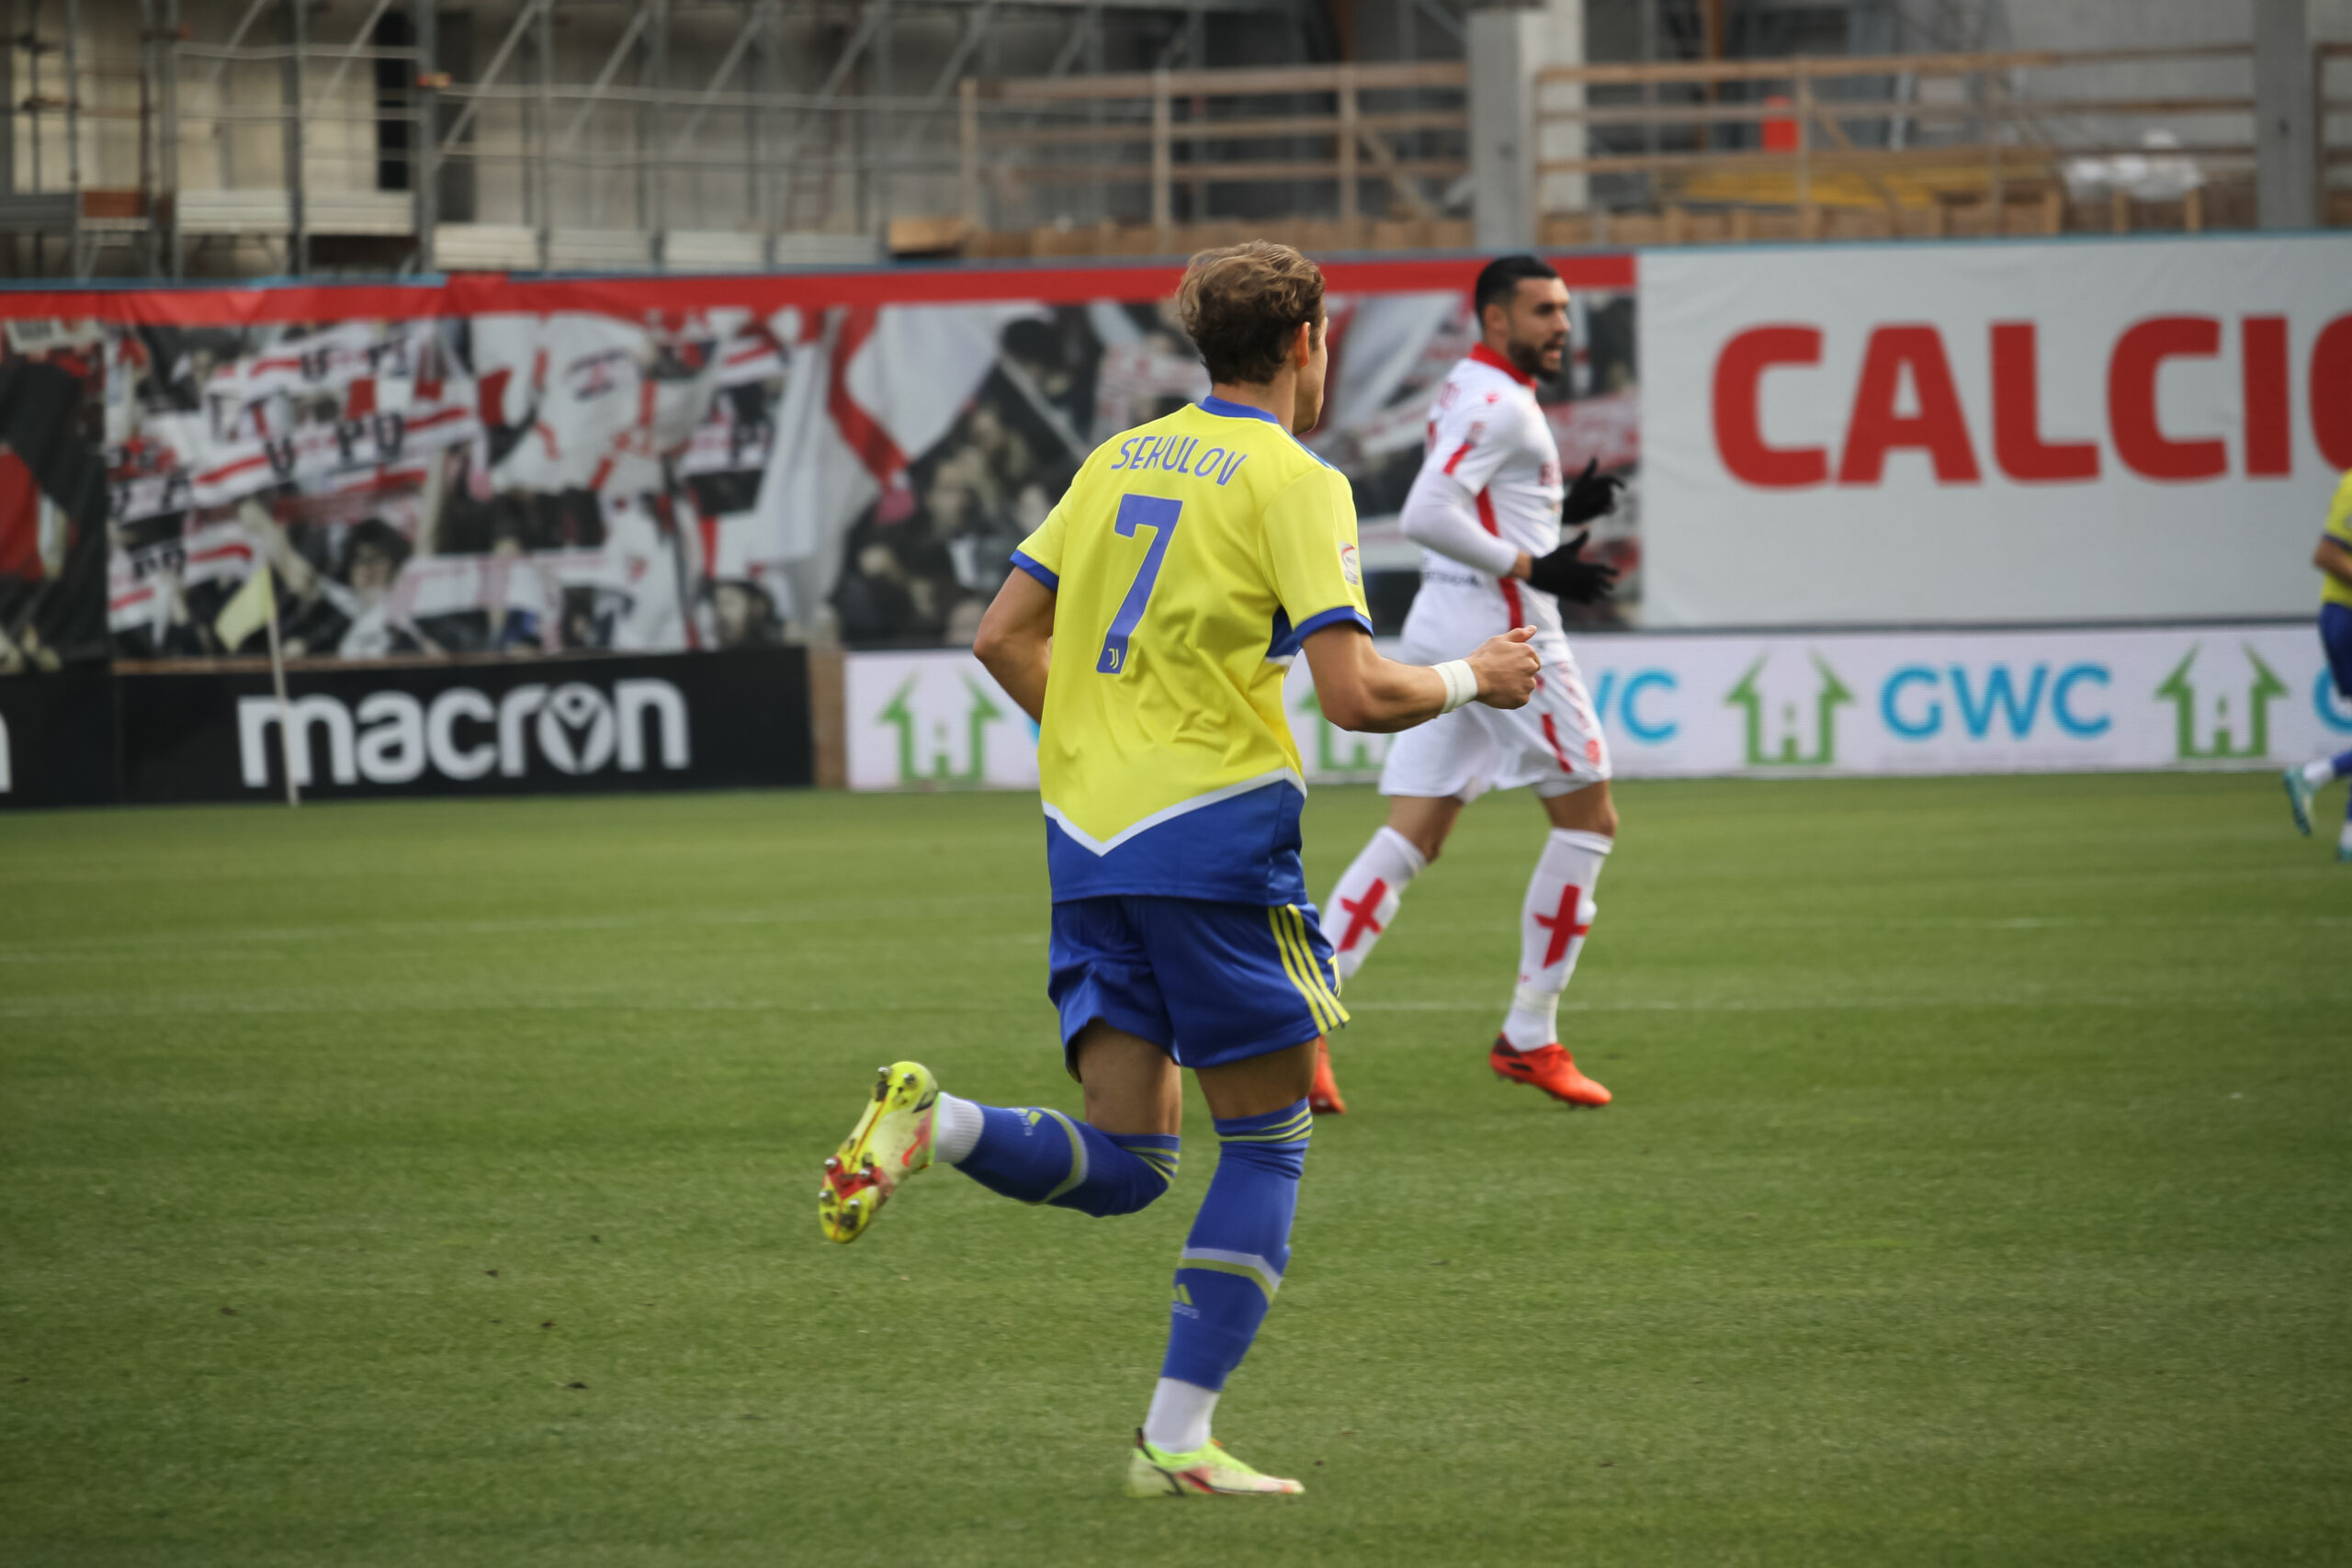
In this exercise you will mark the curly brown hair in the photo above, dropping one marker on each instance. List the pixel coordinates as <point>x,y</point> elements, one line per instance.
<point>1242,305</point>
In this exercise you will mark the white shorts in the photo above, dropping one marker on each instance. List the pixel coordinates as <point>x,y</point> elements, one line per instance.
<point>1553,743</point>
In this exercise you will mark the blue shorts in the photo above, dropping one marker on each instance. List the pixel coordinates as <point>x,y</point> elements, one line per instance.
<point>2335,636</point>
<point>1208,983</point>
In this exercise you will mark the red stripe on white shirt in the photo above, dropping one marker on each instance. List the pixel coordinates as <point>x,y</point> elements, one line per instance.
<point>1510,585</point>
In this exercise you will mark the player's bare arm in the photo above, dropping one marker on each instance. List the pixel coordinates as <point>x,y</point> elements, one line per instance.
<point>1359,689</point>
<point>2335,559</point>
<point>1016,639</point>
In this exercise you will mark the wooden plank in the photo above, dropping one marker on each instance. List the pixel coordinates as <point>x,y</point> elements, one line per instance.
<point>1237,81</point>
<point>1827,68</point>
<point>1863,109</point>
<point>968,146</point>
<point>1866,158</point>
<point>1351,127</point>
<point>1399,176</point>
<point>1837,134</point>
<point>1234,172</point>
<point>1163,155</point>
<point>1808,215</point>
<point>1217,130</point>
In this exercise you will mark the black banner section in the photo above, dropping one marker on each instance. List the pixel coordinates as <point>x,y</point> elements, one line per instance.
<point>682,721</point>
<point>57,739</point>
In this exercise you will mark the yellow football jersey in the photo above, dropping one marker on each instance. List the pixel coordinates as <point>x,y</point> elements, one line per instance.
<point>1189,558</point>
<point>2339,528</point>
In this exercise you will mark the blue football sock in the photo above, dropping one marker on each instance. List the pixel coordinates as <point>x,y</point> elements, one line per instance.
<point>2342,763</point>
<point>1044,1156</point>
<point>1234,1259</point>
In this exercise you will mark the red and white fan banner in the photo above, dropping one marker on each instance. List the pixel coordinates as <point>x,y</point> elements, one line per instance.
<point>1992,431</point>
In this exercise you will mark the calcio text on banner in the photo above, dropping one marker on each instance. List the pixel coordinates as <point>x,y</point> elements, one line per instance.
<point>1905,398</point>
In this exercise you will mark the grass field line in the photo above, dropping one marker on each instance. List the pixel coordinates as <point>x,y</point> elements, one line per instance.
<point>1819,1004</point>
<point>86,1007</point>
<point>180,1007</point>
<point>177,942</point>
<point>830,913</point>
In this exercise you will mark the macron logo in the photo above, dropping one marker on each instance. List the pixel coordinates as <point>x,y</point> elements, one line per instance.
<point>393,737</point>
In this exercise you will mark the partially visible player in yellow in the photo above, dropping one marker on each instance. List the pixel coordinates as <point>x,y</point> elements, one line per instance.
<point>2334,560</point>
<point>1148,630</point>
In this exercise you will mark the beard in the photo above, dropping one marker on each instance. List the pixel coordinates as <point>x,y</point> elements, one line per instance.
<point>1530,357</point>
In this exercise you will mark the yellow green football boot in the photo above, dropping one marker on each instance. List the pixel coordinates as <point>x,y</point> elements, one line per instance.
<point>891,1141</point>
<point>1207,1472</point>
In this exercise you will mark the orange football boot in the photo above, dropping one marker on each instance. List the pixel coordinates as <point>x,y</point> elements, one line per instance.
<point>1549,1068</point>
<point>1323,1097</point>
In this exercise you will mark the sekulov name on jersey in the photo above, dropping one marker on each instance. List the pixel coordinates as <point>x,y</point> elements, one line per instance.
<point>1176,455</point>
<point>395,738</point>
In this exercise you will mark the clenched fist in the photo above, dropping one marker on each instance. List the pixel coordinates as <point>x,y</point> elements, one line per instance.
<point>1506,667</point>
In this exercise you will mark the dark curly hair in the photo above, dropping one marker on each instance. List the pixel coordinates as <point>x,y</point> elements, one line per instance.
<point>1243,305</point>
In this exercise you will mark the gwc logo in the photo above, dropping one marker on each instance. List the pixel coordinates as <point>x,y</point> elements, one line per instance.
<point>2221,713</point>
<point>927,743</point>
<point>393,737</point>
<point>1791,714</point>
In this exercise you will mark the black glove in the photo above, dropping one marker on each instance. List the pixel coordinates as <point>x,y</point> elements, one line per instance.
<point>1566,574</point>
<point>1593,494</point>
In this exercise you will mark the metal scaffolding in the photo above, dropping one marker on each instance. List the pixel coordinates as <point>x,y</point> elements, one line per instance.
<point>303,136</point>
<point>245,137</point>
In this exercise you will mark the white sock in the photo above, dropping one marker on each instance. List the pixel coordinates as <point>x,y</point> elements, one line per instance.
<point>2320,774</point>
<point>1179,1421</point>
<point>1365,900</point>
<point>1552,925</point>
<point>956,1130</point>
<point>2344,838</point>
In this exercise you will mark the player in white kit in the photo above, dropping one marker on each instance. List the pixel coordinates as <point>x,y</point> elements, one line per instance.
<point>1487,509</point>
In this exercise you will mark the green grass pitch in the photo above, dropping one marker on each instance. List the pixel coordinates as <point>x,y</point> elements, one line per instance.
<point>434,1184</point>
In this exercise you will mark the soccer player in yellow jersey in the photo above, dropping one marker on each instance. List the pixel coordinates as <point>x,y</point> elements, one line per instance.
<point>2333,559</point>
<point>1146,631</point>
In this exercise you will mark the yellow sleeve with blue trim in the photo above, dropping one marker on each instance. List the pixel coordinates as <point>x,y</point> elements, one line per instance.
<point>1040,554</point>
<point>1310,555</point>
<point>2333,590</point>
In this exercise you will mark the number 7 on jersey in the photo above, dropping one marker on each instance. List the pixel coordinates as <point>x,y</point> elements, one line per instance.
<point>1159,515</point>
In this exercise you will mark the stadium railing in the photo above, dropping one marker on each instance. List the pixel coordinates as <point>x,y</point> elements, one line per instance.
<point>1912,146</point>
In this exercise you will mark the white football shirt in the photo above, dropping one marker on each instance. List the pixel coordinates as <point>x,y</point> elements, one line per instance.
<point>1488,434</point>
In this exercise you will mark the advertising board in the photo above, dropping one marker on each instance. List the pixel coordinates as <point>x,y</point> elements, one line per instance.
<point>699,721</point>
<point>2253,694</point>
<point>1979,432</point>
<point>57,739</point>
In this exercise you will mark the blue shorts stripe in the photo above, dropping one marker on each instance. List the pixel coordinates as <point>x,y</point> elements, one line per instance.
<point>1294,968</point>
<point>1333,1014</point>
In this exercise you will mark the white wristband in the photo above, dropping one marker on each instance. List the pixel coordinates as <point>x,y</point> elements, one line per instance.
<point>1460,684</point>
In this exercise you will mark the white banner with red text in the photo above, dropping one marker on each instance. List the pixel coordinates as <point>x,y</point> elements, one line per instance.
<point>1992,431</point>
<point>2255,695</point>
